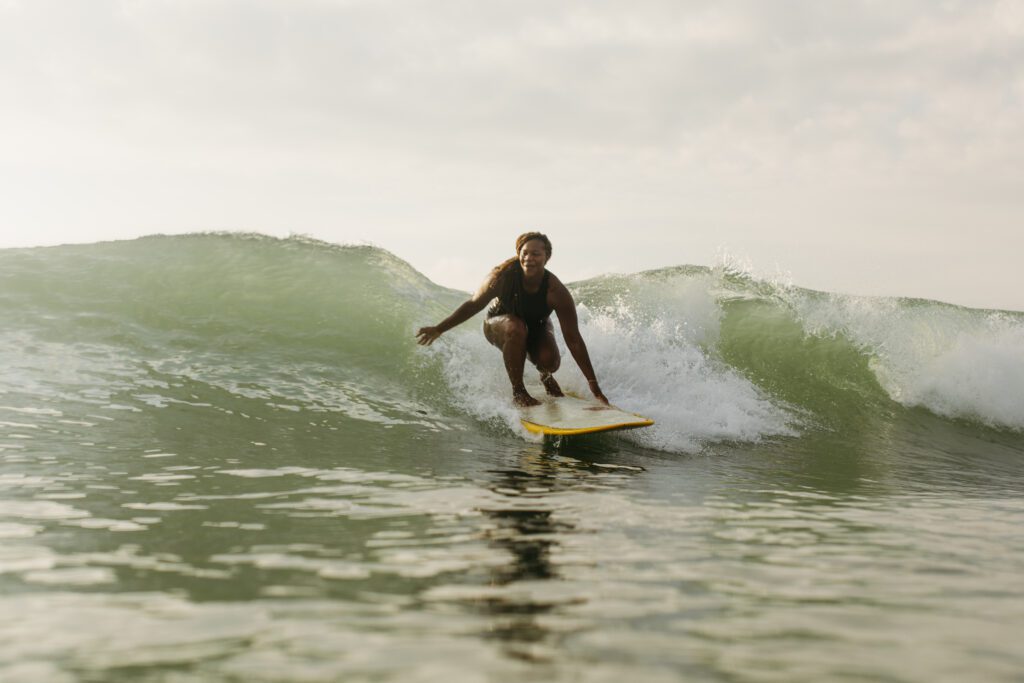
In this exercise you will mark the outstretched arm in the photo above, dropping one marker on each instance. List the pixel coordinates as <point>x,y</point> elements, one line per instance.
<point>427,335</point>
<point>565,308</point>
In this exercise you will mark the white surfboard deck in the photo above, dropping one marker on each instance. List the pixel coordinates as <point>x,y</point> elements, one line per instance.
<point>568,415</point>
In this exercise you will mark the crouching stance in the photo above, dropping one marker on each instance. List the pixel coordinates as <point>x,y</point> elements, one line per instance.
<point>524,293</point>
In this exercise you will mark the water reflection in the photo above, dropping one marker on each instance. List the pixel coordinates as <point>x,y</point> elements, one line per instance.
<point>527,616</point>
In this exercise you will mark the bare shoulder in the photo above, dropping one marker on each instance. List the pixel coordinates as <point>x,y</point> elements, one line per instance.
<point>488,288</point>
<point>558,293</point>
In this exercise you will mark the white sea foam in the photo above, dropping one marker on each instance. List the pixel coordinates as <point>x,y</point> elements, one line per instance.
<point>476,376</point>
<point>956,362</point>
<point>649,349</point>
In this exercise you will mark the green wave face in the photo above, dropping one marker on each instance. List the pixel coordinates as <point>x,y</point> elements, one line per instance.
<point>249,293</point>
<point>240,324</point>
<point>245,321</point>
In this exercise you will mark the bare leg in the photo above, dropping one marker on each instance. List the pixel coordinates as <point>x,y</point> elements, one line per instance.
<point>546,357</point>
<point>508,333</point>
<point>550,385</point>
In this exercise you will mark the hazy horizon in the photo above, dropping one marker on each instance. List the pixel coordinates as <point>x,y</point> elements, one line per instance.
<point>853,148</point>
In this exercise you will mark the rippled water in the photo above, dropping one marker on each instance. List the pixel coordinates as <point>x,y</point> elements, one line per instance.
<point>241,475</point>
<point>294,555</point>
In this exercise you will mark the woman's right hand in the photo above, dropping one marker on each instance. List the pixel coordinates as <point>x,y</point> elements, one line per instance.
<point>428,335</point>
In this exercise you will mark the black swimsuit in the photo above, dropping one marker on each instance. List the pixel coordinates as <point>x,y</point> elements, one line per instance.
<point>532,308</point>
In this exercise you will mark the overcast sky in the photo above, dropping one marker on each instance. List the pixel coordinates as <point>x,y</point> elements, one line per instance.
<point>865,147</point>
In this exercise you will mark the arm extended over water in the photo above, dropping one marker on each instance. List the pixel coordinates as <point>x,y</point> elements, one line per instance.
<point>428,335</point>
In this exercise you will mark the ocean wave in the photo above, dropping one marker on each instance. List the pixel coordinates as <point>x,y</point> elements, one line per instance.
<point>714,356</point>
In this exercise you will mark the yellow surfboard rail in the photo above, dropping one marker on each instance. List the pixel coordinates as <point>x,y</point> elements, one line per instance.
<point>571,415</point>
<point>557,431</point>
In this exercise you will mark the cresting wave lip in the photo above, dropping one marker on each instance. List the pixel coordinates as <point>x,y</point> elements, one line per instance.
<point>712,355</point>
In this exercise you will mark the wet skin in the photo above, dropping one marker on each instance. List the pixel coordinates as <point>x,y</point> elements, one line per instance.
<point>509,332</point>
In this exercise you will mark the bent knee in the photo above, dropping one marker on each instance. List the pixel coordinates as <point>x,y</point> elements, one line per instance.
<point>515,330</point>
<point>508,331</point>
<point>547,360</point>
<point>499,331</point>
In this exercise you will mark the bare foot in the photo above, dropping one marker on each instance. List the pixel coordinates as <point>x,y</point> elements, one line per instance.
<point>523,399</point>
<point>550,385</point>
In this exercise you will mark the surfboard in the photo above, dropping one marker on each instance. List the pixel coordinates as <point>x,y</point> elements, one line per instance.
<point>568,415</point>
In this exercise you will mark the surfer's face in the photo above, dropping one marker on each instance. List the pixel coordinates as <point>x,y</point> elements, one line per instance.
<point>533,256</point>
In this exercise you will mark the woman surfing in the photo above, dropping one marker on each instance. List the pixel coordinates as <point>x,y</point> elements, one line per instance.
<point>525,293</point>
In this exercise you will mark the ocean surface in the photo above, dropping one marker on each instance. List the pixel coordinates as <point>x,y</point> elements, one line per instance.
<point>224,458</point>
